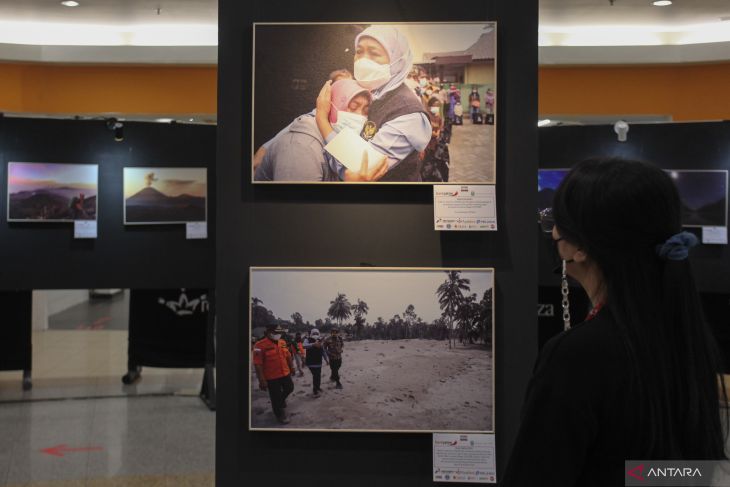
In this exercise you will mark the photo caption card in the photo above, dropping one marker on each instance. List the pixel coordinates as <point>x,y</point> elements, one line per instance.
<point>196,230</point>
<point>85,229</point>
<point>464,208</point>
<point>465,458</point>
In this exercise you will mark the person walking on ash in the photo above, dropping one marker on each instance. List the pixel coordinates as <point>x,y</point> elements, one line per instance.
<point>315,353</point>
<point>299,354</point>
<point>273,364</point>
<point>333,346</point>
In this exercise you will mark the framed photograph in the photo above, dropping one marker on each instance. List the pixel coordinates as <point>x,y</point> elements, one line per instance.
<point>703,194</point>
<point>548,181</point>
<point>161,195</point>
<point>49,192</point>
<point>371,349</point>
<point>385,103</point>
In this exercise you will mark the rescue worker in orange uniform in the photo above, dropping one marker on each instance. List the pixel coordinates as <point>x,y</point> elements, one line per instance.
<point>273,364</point>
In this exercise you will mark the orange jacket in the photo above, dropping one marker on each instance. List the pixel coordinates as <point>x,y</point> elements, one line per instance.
<point>272,357</point>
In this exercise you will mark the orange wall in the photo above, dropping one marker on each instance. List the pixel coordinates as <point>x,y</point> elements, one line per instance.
<point>49,88</point>
<point>686,92</point>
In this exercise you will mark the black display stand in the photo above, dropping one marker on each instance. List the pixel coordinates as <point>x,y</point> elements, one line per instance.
<point>704,145</point>
<point>16,348</point>
<point>46,256</point>
<point>181,337</point>
<point>290,225</point>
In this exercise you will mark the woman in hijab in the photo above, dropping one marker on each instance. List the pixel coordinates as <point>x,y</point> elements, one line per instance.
<point>397,126</point>
<point>298,154</point>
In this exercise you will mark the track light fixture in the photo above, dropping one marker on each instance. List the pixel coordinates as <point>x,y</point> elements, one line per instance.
<point>621,128</point>
<point>117,127</point>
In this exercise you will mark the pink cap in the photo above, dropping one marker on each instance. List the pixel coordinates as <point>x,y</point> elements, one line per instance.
<point>343,91</point>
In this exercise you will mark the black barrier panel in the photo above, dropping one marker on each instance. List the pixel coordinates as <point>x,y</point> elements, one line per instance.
<point>291,225</point>
<point>46,256</point>
<point>693,146</point>
<point>15,330</point>
<point>167,327</point>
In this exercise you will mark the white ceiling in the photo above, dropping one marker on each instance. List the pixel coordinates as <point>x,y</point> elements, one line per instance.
<point>572,13</point>
<point>112,12</point>
<point>185,31</point>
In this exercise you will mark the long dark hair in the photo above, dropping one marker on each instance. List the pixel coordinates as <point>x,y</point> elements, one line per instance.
<point>618,211</point>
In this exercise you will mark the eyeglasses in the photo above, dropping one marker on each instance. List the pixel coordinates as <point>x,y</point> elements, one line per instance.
<point>546,220</point>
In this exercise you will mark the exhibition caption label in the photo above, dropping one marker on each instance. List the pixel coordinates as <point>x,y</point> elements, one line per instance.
<point>465,458</point>
<point>464,207</point>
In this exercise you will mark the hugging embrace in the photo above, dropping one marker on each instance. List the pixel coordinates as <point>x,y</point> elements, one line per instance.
<point>374,102</point>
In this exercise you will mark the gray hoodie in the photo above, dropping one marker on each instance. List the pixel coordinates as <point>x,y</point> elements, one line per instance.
<point>296,155</point>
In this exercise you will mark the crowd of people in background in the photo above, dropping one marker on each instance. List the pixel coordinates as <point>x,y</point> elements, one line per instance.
<point>443,103</point>
<point>278,356</point>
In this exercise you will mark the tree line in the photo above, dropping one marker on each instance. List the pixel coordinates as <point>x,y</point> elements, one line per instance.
<point>465,317</point>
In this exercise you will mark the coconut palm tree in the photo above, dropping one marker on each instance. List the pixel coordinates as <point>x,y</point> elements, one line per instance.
<point>360,309</point>
<point>260,316</point>
<point>409,317</point>
<point>468,316</point>
<point>485,318</point>
<point>298,321</point>
<point>340,309</point>
<point>450,294</point>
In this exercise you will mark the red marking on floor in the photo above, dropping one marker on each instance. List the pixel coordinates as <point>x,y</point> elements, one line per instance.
<point>99,324</point>
<point>61,450</point>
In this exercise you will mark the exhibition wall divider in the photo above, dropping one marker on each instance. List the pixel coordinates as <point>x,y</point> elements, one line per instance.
<point>325,226</point>
<point>53,172</point>
<point>681,148</point>
<point>39,254</point>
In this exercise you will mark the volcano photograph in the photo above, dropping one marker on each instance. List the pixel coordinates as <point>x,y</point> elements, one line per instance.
<point>703,194</point>
<point>48,192</point>
<point>548,181</point>
<point>155,195</point>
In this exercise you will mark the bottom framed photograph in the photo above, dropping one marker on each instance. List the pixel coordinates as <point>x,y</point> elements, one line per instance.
<point>371,349</point>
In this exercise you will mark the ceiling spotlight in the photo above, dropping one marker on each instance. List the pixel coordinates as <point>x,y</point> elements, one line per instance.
<point>662,3</point>
<point>70,3</point>
<point>117,127</point>
<point>621,128</point>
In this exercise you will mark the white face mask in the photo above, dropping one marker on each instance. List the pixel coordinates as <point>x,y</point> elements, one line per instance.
<point>276,337</point>
<point>353,121</point>
<point>370,74</point>
<point>435,110</point>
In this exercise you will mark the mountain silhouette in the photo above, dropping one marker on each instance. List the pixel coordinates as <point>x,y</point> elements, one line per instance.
<point>48,204</point>
<point>152,206</point>
<point>711,214</point>
<point>148,196</point>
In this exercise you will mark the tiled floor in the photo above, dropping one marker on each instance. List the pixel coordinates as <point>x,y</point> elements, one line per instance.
<point>107,442</point>
<point>156,432</point>
<point>90,363</point>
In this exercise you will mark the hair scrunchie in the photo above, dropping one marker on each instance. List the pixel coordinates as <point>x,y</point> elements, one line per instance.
<point>677,246</point>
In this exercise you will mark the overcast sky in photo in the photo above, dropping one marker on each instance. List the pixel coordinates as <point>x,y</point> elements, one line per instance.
<point>387,293</point>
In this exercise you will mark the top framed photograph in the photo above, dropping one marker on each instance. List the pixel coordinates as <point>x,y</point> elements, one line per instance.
<point>49,192</point>
<point>703,194</point>
<point>374,103</point>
